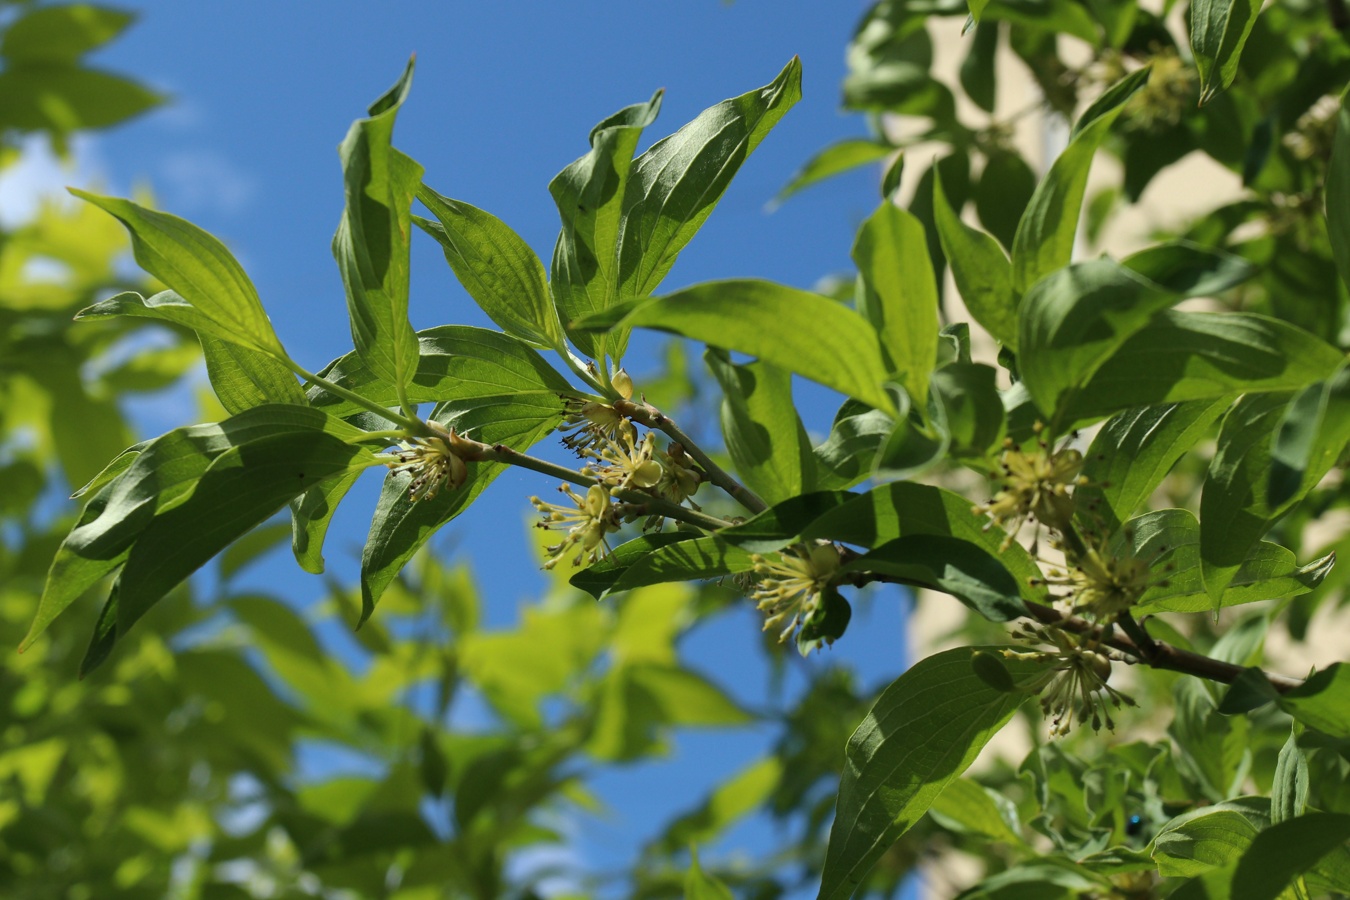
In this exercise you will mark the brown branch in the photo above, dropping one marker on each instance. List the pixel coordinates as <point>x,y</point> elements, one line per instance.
<point>1143,646</point>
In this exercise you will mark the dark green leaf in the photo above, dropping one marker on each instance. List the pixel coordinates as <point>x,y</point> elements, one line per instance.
<point>977,69</point>
<point>972,408</point>
<point>1073,321</point>
<point>904,509</point>
<point>599,579</point>
<point>845,457</point>
<point>1195,356</point>
<point>982,273</point>
<point>311,514</point>
<point>159,478</point>
<point>793,329</point>
<point>1289,793</point>
<point>674,186</point>
<point>1286,850</point>
<point>495,265</point>
<point>243,487</point>
<point>899,294</point>
<point>923,732</point>
<point>1312,434</point>
<point>1169,540</point>
<point>201,273</point>
<point>835,159</point>
<point>1323,701</point>
<point>1134,451</point>
<point>1189,269</point>
<point>60,98</point>
<point>763,433</point>
<point>590,194</point>
<point>492,381</point>
<point>1219,28</point>
<point>61,34</point>
<point>950,565</point>
<point>783,523</point>
<point>1045,236</point>
<point>1195,843</point>
<point>1005,188</point>
<point>1338,193</point>
<point>372,240</point>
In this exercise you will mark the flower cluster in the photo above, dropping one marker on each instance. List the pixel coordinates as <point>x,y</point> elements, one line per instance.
<point>624,461</point>
<point>587,523</point>
<point>433,462</point>
<point>1075,684</point>
<point>1036,486</point>
<point>587,423</point>
<point>789,589</point>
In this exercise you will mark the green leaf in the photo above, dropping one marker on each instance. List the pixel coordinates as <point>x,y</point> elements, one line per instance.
<point>59,98</point>
<point>1045,236</point>
<point>921,734</point>
<point>1134,451</point>
<point>202,275</point>
<point>674,186</point>
<point>845,457</point>
<point>1196,356</point>
<point>898,294</point>
<point>61,34</point>
<point>977,68</point>
<point>764,435</point>
<point>484,379</point>
<point>495,265</point>
<point>1323,701</point>
<point>1289,793</point>
<point>598,580</point>
<point>698,885</point>
<point>243,487</point>
<point>242,377</point>
<point>1006,187</point>
<point>1170,541</point>
<point>796,330</point>
<point>972,410</point>
<point>373,236</point>
<point>311,514</point>
<point>160,477</point>
<point>402,525</point>
<point>1196,843</point>
<point>835,159</point>
<point>1219,29</point>
<point>1338,193</point>
<point>1189,269</point>
<point>1073,321</point>
<point>783,523</point>
<point>1285,851</point>
<point>970,807</point>
<point>1313,431</point>
<point>1234,512</point>
<point>590,194</point>
<point>905,509</point>
<point>953,566</point>
<point>982,272</point>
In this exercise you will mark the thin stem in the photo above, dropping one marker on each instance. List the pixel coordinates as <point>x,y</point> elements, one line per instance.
<point>652,417</point>
<point>576,366</point>
<point>412,424</point>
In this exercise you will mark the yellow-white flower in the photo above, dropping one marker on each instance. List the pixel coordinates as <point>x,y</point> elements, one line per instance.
<point>1075,684</point>
<point>1036,484</point>
<point>624,463</point>
<point>787,590</point>
<point>432,461</point>
<point>586,523</point>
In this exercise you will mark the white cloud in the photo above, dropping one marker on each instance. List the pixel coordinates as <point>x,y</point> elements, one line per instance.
<point>41,175</point>
<point>196,181</point>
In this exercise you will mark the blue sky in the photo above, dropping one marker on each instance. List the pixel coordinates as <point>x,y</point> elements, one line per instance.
<point>504,97</point>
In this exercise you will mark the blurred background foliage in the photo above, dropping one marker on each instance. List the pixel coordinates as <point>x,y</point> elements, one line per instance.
<point>178,770</point>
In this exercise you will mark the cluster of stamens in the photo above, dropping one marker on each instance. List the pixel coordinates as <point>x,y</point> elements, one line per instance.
<point>591,518</point>
<point>1074,685</point>
<point>624,461</point>
<point>588,423</point>
<point>432,460</point>
<point>788,590</point>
